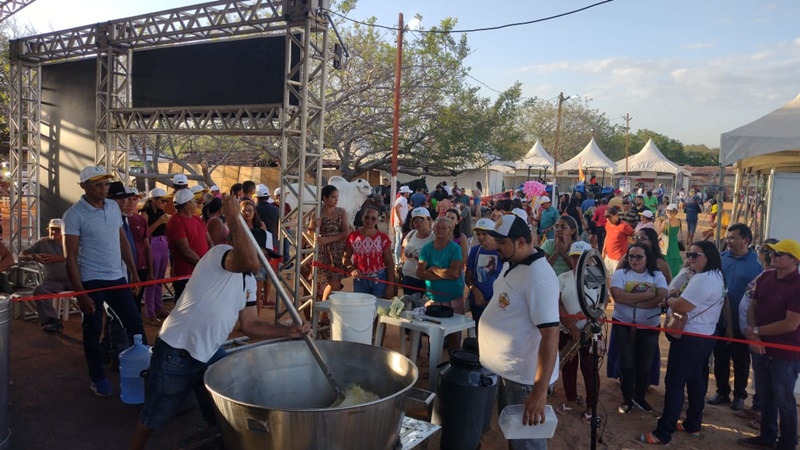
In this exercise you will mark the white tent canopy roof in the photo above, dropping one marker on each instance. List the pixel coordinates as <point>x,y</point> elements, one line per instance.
<point>649,159</point>
<point>537,156</point>
<point>591,157</point>
<point>776,132</point>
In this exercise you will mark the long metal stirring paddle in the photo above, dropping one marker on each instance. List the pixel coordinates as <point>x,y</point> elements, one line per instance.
<point>289,304</point>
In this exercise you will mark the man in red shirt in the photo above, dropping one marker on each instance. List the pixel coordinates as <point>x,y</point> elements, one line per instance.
<point>616,242</point>
<point>187,238</point>
<point>774,317</point>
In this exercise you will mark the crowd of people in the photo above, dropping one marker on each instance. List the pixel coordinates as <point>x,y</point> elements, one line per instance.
<point>513,267</point>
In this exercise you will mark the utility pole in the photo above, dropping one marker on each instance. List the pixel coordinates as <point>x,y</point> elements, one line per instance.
<point>628,119</point>
<point>396,120</point>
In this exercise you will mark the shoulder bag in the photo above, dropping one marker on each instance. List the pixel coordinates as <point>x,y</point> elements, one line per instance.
<point>675,322</point>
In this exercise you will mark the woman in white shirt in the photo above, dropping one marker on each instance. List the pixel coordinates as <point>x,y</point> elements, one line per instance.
<point>701,301</point>
<point>420,235</point>
<point>637,288</point>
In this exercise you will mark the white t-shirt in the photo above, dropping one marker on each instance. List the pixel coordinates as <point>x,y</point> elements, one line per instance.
<point>632,282</point>
<point>412,244</point>
<point>209,307</point>
<point>706,291</point>
<point>403,212</point>
<point>525,298</point>
<point>567,284</point>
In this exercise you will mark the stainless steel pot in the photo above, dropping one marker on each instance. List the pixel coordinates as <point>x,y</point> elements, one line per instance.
<point>275,397</point>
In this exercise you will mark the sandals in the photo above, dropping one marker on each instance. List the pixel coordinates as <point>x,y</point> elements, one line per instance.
<point>563,409</point>
<point>587,418</point>
<point>650,438</point>
<point>679,427</point>
<point>579,400</point>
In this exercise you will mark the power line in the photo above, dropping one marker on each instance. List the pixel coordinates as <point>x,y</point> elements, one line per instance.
<point>474,30</point>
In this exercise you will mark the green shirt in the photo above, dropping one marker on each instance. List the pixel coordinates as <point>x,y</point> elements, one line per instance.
<point>651,203</point>
<point>443,290</point>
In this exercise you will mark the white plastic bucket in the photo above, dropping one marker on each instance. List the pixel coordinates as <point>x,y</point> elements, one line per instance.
<point>353,314</point>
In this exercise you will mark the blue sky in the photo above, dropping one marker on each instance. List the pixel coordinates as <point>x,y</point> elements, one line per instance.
<point>688,69</point>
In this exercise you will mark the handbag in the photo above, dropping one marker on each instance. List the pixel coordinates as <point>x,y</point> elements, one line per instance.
<point>681,247</point>
<point>675,322</point>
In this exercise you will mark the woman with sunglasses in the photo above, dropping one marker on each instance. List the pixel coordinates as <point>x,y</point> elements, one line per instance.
<point>638,288</point>
<point>649,237</point>
<point>702,302</point>
<point>153,211</point>
<point>412,244</point>
<point>557,249</point>
<point>368,256</point>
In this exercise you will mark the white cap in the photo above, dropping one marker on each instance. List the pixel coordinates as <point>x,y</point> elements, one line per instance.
<point>183,196</point>
<point>94,173</point>
<point>277,192</point>
<point>157,192</point>
<point>214,188</point>
<point>262,191</point>
<point>55,223</point>
<point>197,189</point>
<point>521,213</point>
<point>484,224</point>
<point>180,179</point>
<point>579,248</point>
<point>420,212</point>
<point>647,213</point>
<point>672,207</point>
<point>404,190</point>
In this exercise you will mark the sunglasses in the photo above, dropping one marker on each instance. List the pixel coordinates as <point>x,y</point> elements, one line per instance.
<point>694,255</point>
<point>636,257</point>
<point>778,254</point>
<point>640,238</point>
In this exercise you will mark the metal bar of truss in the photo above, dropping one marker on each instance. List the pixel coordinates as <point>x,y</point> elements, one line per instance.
<point>219,19</point>
<point>10,7</point>
<point>301,153</point>
<point>113,92</point>
<point>228,120</point>
<point>24,154</point>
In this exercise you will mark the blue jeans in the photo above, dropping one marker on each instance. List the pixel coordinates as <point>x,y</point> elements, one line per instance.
<point>173,375</point>
<point>370,286</point>
<point>511,393</point>
<point>775,380</point>
<point>124,307</point>
<point>398,243</point>
<point>687,357</point>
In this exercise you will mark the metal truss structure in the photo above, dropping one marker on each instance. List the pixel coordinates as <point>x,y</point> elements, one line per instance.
<point>25,153</point>
<point>10,7</point>
<point>299,123</point>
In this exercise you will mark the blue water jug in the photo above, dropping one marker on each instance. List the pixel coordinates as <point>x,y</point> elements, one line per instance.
<point>132,362</point>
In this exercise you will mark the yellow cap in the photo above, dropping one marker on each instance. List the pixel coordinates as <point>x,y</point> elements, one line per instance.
<point>789,246</point>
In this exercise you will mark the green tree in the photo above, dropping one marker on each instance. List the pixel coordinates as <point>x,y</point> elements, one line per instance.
<point>445,125</point>
<point>579,123</point>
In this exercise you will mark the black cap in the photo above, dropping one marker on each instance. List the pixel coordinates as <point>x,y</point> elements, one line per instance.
<point>117,190</point>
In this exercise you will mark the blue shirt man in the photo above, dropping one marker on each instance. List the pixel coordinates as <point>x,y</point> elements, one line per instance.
<point>548,218</point>
<point>692,210</point>
<point>418,198</point>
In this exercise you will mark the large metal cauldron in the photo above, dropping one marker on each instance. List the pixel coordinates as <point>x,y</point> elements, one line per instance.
<point>275,396</point>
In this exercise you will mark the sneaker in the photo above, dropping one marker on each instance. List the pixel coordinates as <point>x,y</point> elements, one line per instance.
<point>718,399</point>
<point>643,405</point>
<point>102,388</point>
<point>737,404</point>
<point>54,326</point>
<point>625,407</point>
<point>756,442</point>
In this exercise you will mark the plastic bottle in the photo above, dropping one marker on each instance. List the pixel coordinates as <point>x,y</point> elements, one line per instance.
<point>512,427</point>
<point>132,362</point>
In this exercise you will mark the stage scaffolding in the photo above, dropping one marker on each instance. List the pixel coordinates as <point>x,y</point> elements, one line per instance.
<point>298,122</point>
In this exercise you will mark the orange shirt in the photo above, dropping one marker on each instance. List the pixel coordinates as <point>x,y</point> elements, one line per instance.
<point>616,243</point>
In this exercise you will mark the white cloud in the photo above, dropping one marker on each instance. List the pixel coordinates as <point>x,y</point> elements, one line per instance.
<point>700,45</point>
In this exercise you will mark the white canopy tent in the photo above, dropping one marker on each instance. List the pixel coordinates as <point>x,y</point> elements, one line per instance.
<point>537,157</point>
<point>649,163</point>
<point>767,156</point>
<point>591,157</point>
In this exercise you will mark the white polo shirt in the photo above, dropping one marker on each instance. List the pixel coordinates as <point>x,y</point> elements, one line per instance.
<point>525,299</point>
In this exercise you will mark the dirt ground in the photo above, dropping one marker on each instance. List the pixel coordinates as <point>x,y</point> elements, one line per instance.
<point>51,405</point>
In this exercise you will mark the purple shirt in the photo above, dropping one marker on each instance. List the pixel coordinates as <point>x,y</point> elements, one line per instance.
<point>775,297</point>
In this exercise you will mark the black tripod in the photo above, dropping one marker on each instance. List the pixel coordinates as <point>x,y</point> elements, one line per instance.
<point>593,294</point>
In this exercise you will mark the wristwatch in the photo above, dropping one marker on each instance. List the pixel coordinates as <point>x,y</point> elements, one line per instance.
<point>755,331</point>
